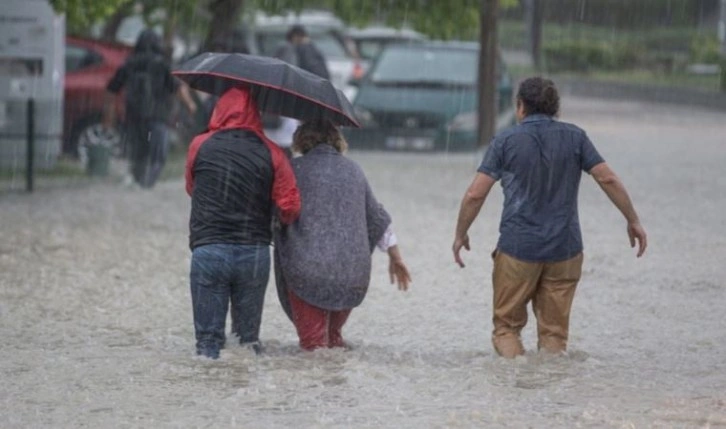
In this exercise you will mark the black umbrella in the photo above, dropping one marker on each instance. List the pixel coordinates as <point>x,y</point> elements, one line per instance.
<point>278,87</point>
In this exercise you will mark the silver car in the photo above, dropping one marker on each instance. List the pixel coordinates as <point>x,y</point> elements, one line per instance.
<point>267,34</point>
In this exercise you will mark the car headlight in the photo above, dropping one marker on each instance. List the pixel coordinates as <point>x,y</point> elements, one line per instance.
<point>365,117</point>
<point>466,121</point>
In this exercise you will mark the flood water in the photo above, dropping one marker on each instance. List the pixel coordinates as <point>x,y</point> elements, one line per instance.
<point>96,323</point>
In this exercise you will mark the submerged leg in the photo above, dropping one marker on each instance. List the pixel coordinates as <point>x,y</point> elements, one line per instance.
<point>514,283</point>
<point>312,323</point>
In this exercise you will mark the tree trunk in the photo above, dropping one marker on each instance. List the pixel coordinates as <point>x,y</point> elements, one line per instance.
<point>225,17</point>
<point>170,25</point>
<point>488,56</point>
<point>534,16</point>
<point>110,28</point>
<point>722,37</point>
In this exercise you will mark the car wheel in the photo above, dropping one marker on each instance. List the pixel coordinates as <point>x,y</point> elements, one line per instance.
<point>96,133</point>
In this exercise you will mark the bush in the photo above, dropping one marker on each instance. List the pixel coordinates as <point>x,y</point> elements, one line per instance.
<point>705,50</point>
<point>584,56</point>
<point>623,14</point>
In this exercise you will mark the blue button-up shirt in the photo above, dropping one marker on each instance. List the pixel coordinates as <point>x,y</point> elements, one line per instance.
<point>540,163</point>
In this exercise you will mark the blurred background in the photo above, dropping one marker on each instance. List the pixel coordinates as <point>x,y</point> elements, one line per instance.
<point>658,50</point>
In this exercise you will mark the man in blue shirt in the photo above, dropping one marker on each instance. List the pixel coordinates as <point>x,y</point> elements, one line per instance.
<point>539,254</point>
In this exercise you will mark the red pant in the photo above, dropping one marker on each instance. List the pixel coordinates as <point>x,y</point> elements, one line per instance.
<point>317,328</point>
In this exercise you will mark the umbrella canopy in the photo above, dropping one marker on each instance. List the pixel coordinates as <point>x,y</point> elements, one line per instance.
<point>278,87</point>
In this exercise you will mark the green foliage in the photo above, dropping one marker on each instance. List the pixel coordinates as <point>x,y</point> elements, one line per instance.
<point>176,14</point>
<point>81,14</point>
<point>451,19</point>
<point>705,49</point>
<point>620,13</point>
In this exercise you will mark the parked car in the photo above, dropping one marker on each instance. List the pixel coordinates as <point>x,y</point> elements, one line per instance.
<point>424,97</point>
<point>90,64</point>
<point>370,41</point>
<point>267,34</point>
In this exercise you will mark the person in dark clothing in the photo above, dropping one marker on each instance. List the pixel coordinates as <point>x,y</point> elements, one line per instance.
<point>539,257</point>
<point>149,85</point>
<point>307,56</point>
<point>237,179</point>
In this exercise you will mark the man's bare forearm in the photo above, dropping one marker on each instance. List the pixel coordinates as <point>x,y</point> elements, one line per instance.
<point>470,208</point>
<point>615,190</point>
<point>186,97</point>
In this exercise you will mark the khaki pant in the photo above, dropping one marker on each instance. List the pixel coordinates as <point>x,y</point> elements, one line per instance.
<point>550,287</point>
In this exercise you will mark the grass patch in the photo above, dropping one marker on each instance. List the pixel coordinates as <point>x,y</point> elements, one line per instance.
<point>513,35</point>
<point>646,77</point>
<point>175,163</point>
<point>637,77</point>
<point>65,168</point>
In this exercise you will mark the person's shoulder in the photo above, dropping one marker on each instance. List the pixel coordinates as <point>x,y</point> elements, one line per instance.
<point>570,127</point>
<point>350,163</point>
<point>506,134</point>
<point>354,169</point>
<point>509,131</point>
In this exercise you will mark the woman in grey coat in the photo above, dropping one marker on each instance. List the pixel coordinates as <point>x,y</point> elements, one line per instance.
<point>323,260</point>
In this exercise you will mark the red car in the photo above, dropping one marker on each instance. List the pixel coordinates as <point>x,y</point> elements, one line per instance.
<point>90,64</point>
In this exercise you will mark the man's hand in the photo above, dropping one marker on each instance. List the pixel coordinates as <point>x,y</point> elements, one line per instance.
<point>636,232</point>
<point>399,273</point>
<point>471,204</point>
<point>458,244</point>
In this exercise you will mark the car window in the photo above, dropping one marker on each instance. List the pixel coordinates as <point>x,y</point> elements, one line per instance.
<point>21,67</point>
<point>434,65</point>
<point>328,45</point>
<point>369,49</point>
<point>78,58</point>
<point>269,43</point>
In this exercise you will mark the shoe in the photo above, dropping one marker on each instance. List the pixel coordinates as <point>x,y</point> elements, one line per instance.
<point>255,346</point>
<point>210,353</point>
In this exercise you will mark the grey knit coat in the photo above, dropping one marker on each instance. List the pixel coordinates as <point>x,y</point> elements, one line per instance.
<point>325,256</point>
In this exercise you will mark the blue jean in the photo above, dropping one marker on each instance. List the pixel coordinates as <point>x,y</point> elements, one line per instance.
<point>220,272</point>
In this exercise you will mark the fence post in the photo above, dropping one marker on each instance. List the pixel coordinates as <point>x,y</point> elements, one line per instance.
<point>30,149</point>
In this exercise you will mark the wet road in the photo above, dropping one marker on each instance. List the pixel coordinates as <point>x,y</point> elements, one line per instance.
<point>96,328</point>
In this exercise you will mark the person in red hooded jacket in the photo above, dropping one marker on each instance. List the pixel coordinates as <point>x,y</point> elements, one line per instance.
<point>237,179</point>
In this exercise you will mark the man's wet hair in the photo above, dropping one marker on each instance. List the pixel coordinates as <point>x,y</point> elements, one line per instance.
<point>296,31</point>
<point>539,95</point>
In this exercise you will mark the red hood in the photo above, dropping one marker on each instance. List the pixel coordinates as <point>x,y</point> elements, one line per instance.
<point>236,109</point>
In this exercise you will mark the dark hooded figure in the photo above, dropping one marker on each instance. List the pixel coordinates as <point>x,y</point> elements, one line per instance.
<point>302,52</point>
<point>237,179</point>
<point>148,84</point>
